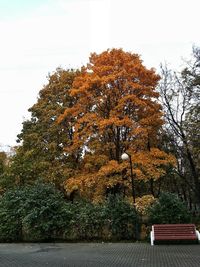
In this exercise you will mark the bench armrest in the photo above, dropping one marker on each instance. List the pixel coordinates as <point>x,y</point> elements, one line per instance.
<point>152,236</point>
<point>198,235</point>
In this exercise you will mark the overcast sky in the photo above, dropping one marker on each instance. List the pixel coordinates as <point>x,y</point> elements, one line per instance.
<point>37,36</point>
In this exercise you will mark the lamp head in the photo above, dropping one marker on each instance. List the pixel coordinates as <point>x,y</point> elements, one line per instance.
<point>124,156</point>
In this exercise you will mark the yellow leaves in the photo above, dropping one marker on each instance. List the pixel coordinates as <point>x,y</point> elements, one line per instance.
<point>109,169</point>
<point>67,113</point>
<point>93,184</point>
<point>88,118</point>
<point>104,123</point>
<point>162,158</point>
<point>131,100</point>
<point>93,162</point>
<point>80,182</point>
<point>153,120</point>
<point>143,203</point>
<point>115,121</point>
<point>98,173</point>
<point>114,109</point>
<point>152,163</point>
<point>125,122</point>
<point>139,132</point>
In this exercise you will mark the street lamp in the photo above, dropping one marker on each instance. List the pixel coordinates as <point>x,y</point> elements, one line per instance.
<point>126,156</point>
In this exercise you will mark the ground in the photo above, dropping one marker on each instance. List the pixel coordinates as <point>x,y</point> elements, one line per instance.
<point>98,255</point>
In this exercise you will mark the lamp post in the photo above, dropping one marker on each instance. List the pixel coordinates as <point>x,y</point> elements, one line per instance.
<point>126,156</point>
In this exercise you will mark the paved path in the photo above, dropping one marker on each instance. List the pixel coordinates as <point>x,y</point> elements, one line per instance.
<point>98,255</point>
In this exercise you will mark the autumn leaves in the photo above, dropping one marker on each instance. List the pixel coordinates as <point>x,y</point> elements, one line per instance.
<point>115,110</point>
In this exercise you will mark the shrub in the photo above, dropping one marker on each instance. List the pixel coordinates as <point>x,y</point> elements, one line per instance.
<point>114,219</point>
<point>11,216</point>
<point>46,213</point>
<point>36,212</point>
<point>39,213</point>
<point>87,221</point>
<point>168,209</point>
<point>121,218</point>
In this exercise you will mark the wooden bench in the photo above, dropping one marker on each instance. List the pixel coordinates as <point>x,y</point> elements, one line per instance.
<point>173,233</point>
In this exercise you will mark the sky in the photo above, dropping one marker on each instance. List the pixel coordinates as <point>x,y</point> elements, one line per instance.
<point>37,36</point>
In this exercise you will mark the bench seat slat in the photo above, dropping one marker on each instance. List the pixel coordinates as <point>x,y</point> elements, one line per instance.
<point>181,238</point>
<point>175,233</point>
<point>175,238</point>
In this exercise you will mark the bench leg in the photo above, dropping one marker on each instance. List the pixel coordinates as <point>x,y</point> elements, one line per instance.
<point>152,238</point>
<point>198,235</point>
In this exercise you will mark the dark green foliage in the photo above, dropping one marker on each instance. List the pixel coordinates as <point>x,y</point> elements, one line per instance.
<point>11,215</point>
<point>168,209</point>
<point>121,218</point>
<point>40,213</point>
<point>36,212</point>
<point>87,222</point>
<point>48,212</point>
<point>114,219</point>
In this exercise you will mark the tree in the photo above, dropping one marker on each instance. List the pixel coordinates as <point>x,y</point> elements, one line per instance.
<point>6,180</point>
<point>180,98</point>
<point>115,110</point>
<point>3,158</point>
<point>3,166</point>
<point>41,153</point>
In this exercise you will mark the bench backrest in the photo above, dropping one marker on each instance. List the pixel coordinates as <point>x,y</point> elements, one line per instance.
<point>174,231</point>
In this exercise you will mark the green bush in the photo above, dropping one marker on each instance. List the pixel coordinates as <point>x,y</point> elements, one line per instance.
<point>36,212</point>
<point>87,221</point>
<point>168,209</point>
<point>46,212</point>
<point>11,216</point>
<point>40,213</point>
<point>114,219</point>
<point>121,218</point>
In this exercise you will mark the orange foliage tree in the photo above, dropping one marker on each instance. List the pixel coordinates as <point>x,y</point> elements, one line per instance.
<point>115,110</point>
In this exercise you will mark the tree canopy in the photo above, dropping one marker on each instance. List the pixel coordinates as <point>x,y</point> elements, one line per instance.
<point>180,99</point>
<point>115,110</point>
<point>41,153</point>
